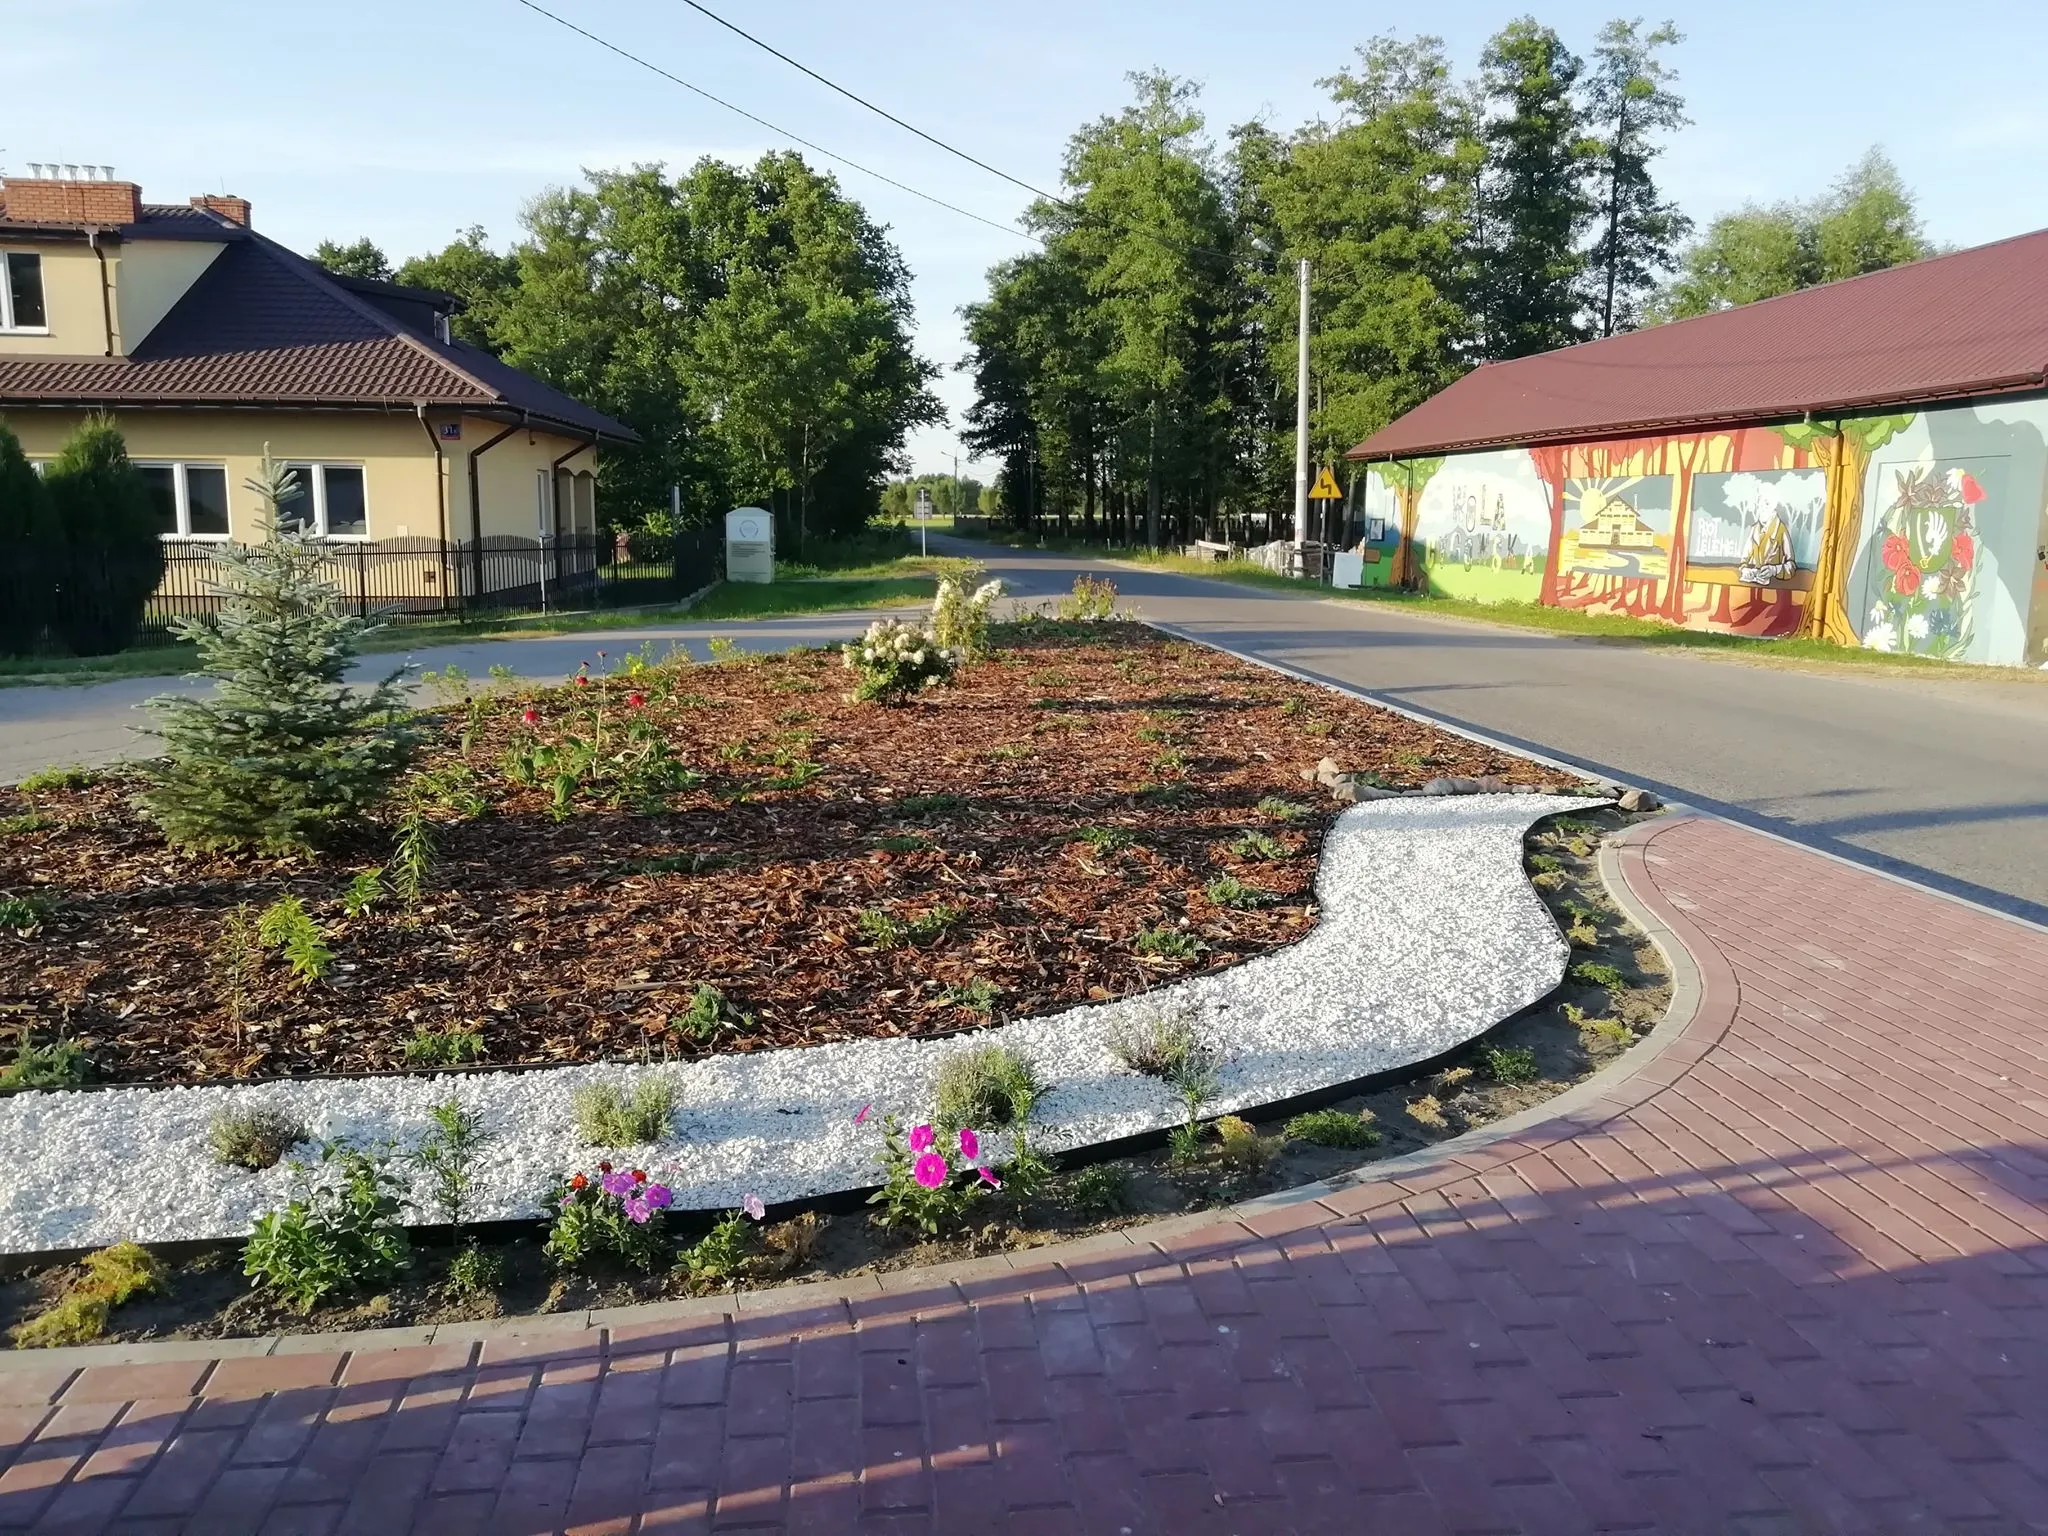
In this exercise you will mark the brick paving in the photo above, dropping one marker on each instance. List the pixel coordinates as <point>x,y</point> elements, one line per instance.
<point>1788,1277</point>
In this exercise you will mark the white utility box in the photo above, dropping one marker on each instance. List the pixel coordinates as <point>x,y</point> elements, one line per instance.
<point>749,545</point>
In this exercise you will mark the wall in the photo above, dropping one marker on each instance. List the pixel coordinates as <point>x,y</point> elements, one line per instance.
<point>71,300</point>
<point>1930,529</point>
<point>508,477</point>
<point>148,277</point>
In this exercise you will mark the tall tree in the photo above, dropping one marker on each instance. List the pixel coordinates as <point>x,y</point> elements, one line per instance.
<point>1534,208</point>
<point>485,280</point>
<point>1629,105</point>
<point>359,258</point>
<point>1864,223</point>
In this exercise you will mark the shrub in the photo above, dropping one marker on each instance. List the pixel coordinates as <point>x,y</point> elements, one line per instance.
<point>1242,1147</point>
<point>607,1116</point>
<point>284,752</point>
<point>476,1272</point>
<point>450,1045</point>
<point>1103,1188</point>
<point>960,617</point>
<point>618,1217</point>
<point>105,523</point>
<point>447,1157</point>
<point>895,660</point>
<point>720,1255</point>
<point>254,1138</point>
<point>1335,1128</point>
<point>1259,847</point>
<point>1595,974</point>
<point>112,1276</point>
<point>60,1064</point>
<point>23,913</point>
<point>1167,1047</point>
<point>1509,1063</point>
<point>27,525</point>
<point>1092,600</point>
<point>59,778</point>
<point>288,928</point>
<point>984,1086</point>
<point>338,1234</point>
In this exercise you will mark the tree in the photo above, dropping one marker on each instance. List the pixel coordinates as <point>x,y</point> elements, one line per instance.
<point>285,752</point>
<point>1864,223</point>
<point>25,536</point>
<point>485,280</point>
<point>1534,209</point>
<point>1629,103</point>
<point>106,525</point>
<point>359,258</point>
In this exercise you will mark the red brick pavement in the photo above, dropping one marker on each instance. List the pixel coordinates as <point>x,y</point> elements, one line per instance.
<point>1788,1277</point>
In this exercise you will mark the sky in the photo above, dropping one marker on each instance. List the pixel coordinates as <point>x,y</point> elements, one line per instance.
<point>409,122</point>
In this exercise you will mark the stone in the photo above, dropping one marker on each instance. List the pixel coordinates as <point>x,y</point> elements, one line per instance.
<point>1327,771</point>
<point>1637,801</point>
<point>1308,776</point>
<point>1494,784</point>
<point>1440,787</point>
<point>1351,788</point>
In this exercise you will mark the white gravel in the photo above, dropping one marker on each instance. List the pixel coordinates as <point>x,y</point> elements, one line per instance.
<point>1429,935</point>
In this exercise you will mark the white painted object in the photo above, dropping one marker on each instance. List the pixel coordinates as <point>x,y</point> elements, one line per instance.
<point>749,545</point>
<point>1347,569</point>
<point>1429,935</point>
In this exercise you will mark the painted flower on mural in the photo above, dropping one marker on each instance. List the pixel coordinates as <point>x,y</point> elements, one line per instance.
<point>1927,547</point>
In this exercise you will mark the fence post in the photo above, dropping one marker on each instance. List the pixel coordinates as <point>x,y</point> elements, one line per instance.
<point>363,581</point>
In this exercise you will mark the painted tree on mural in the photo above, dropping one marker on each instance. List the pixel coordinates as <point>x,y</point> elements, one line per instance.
<point>1406,479</point>
<point>1844,449</point>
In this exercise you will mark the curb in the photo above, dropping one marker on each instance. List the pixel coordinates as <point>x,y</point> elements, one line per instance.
<point>1703,1002</point>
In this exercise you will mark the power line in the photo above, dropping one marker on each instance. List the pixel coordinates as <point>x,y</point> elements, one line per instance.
<point>884,112</point>
<point>673,79</point>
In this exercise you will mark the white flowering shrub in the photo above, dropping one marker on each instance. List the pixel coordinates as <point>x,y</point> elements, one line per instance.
<point>960,616</point>
<point>895,660</point>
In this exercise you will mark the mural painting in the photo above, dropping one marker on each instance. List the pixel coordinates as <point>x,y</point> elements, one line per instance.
<point>1923,575</point>
<point>1616,546</point>
<point>1483,531</point>
<point>1765,528</point>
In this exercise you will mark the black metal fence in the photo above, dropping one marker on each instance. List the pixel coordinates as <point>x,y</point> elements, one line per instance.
<point>397,580</point>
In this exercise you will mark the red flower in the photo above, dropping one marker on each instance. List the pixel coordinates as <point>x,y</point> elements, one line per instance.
<point>635,700</point>
<point>600,655</point>
<point>639,1177</point>
<point>1907,582</point>
<point>1972,492</point>
<point>582,680</point>
<point>579,1182</point>
<point>1964,549</point>
<point>1894,551</point>
<point>604,1167</point>
<point>531,717</point>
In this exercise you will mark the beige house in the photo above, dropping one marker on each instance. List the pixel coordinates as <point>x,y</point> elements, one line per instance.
<point>206,341</point>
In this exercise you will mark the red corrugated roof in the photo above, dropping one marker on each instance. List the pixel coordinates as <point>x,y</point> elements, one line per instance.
<point>1973,323</point>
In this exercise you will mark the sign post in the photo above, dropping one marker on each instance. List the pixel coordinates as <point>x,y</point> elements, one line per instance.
<point>924,517</point>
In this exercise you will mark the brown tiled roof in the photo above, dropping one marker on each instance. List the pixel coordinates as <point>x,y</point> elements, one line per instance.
<point>263,326</point>
<point>1972,323</point>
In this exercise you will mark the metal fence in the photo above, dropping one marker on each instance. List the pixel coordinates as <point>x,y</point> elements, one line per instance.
<point>396,580</point>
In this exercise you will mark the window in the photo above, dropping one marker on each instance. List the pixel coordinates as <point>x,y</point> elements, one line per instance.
<point>21,295</point>
<point>330,502</point>
<point>191,499</point>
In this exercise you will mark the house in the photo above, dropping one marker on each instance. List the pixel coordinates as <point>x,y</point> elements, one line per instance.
<point>1612,522</point>
<point>416,453</point>
<point>1891,428</point>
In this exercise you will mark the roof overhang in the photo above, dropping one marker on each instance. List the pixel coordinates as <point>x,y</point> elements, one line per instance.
<point>483,408</point>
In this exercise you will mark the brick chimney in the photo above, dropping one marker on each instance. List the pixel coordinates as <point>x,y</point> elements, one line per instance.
<point>58,200</point>
<point>234,209</point>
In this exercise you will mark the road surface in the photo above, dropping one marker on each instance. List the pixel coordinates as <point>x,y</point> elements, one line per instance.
<point>1942,780</point>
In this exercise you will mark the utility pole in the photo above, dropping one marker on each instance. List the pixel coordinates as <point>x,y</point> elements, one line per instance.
<point>1301,430</point>
<point>956,493</point>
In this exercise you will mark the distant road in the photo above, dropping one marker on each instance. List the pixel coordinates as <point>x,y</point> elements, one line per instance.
<point>1943,780</point>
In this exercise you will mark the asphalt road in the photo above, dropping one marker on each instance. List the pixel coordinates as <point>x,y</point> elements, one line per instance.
<point>1940,780</point>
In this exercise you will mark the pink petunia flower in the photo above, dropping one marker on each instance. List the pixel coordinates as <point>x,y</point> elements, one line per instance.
<point>930,1170</point>
<point>753,1207</point>
<point>618,1184</point>
<point>970,1145</point>
<point>658,1195</point>
<point>637,1211</point>
<point>923,1138</point>
<point>988,1176</point>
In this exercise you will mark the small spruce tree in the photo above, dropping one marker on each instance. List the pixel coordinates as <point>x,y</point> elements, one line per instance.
<point>111,557</point>
<point>284,752</point>
<point>24,549</point>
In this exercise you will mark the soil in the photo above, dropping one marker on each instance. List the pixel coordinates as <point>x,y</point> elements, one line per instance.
<point>806,826</point>
<point>1583,1026</point>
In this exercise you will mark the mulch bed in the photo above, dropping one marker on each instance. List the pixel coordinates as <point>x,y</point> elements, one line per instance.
<point>584,938</point>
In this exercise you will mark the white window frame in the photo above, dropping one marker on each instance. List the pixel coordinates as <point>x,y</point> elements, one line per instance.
<point>7,325</point>
<point>177,467</point>
<point>315,484</point>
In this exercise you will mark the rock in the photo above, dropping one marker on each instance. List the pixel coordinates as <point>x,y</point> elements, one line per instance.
<point>1637,801</point>
<point>1351,788</point>
<point>1308,776</point>
<point>1494,784</point>
<point>1328,772</point>
<point>1452,786</point>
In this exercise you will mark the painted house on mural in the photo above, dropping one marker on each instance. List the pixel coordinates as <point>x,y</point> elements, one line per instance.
<point>1865,461</point>
<point>206,341</point>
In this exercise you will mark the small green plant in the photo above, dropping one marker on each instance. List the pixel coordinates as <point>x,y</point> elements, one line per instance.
<point>1259,847</point>
<point>338,1234</point>
<point>1428,1110</point>
<point>608,1116</point>
<point>960,611</point>
<point>879,928</point>
<point>254,1138</point>
<point>1105,839</point>
<point>1229,891</point>
<point>23,914</point>
<point>412,860</point>
<point>112,1276</point>
<point>723,649</point>
<point>448,1155</point>
<point>1164,943</point>
<point>1335,1128</point>
<point>1171,793</point>
<point>1544,864</point>
<point>884,931</point>
<point>920,1190</point>
<point>673,864</point>
<point>364,891</point>
<point>984,1087</point>
<point>1092,600</point>
<point>1102,1189</point>
<point>618,1217</point>
<point>1281,810</point>
<point>708,1013</point>
<point>1242,1148</point>
<point>1184,1143</point>
<point>30,821</point>
<point>1582,934</point>
<point>60,1064</point>
<point>794,776</point>
<point>235,959</point>
<point>71,777</point>
<point>1292,708</point>
<point>476,1271</point>
<point>1593,973</point>
<point>1165,1046</point>
<point>926,807</point>
<point>288,928</point>
<point>978,995</point>
<point>1510,1063</point>
<point>903,843</point>
<point>1609,1029</point>
<point>1016,751</point>
<point>720,1255</point>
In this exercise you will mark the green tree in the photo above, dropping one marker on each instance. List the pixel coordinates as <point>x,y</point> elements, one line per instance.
<point>1534,209</point>
<point>1629,104</point>
<point>1864,223</point>
<point>284,752</point>
<point>482,278</point>
<point>106,525</point>
<point>25,536</point>
<point>359,258</point>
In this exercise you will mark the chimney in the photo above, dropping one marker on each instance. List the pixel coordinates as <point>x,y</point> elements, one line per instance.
<point>234,209</point>
<point>53,199</point>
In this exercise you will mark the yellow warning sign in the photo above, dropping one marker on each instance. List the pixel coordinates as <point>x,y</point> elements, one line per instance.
<point>1326,487</point>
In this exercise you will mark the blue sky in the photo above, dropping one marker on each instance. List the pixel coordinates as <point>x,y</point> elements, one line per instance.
<point>406,122</point>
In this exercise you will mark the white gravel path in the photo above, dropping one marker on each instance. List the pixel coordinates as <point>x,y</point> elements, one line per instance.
<point>1429,935</point>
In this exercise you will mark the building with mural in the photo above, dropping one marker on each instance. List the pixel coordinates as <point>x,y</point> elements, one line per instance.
<point>1865,462</point>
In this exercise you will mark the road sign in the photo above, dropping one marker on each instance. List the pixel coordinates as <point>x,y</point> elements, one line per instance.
<point>1325,487</point>
<point>924,503</point>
